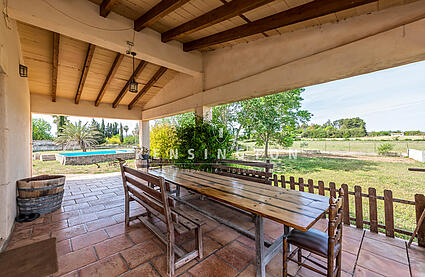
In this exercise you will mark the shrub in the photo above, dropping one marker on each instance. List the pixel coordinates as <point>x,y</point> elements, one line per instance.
<point>130,140</point>
<point>385,148</point>
<point>114,140</point>
<point>163,138</point>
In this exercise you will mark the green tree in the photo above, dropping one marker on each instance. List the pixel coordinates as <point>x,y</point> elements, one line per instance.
<point>121,133</point>
<point>96,126</point>
<point>163,138</point>
<point>60,121</point>
<point>275,118</point>
<point>102,127</point>
<point>41,129</point>
<point>125,129</point>
<point>78,134</point>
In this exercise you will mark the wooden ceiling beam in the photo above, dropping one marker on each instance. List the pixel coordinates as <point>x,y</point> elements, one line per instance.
<point>109,77</point>
<point>222,13</point>
<point>298,14</point>
<point>84,72</point>
<point>159,10</point>
<point>150,84</point>
<point>135,74</point>
<point>106,7</point>
<point>55,65</point>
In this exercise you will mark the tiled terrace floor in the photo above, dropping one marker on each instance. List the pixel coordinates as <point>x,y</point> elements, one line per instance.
<point>93,241</point>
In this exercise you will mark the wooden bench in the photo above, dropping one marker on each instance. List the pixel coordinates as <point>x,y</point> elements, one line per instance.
<point>151,192</point>
<point>223,167</point>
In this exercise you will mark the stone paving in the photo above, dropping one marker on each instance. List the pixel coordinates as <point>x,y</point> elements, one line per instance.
<point>92,240</point>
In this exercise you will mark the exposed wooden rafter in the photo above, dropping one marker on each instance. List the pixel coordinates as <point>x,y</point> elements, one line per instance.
<point>106,7</point>
<point>109,77</point>
<point>222,13</point>
<point>135,74</point>
<point>159,10</point>
<point>298,14</point>
<point>84,72</point>
<point>151,82</point>
<point>55,64</point>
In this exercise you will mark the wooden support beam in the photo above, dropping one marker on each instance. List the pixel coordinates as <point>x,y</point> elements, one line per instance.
<point>151,82</point>
<point>84,72</point>
<point>55,64</point>
<point>109,77</point>
<point>135,74</point>
<point>298,14</point>
<point>106,7</point>
<point>222,13</point>
<point>159,10</point>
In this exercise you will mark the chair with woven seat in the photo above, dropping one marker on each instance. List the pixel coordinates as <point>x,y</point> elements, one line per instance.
<point>326,245</point>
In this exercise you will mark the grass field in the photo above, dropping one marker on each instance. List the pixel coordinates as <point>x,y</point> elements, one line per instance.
<point>400,146</point>
<point>380,175</point>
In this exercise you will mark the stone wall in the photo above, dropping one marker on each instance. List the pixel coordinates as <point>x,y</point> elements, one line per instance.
<point>92,159</point>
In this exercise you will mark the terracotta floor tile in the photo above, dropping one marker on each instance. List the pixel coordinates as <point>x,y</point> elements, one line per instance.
<point>63,247</point>
<point>41,229</point>
<point>385,266</point>
<point>160,263</point>
<point>140,234</point>
<point>213,266</point>
<point>351,245</point>
<point>351,232</point>
<point>416,252</point>
<point>223,234</point>
<point>100,223</point>
<point>386,250</point>
<point>75,260</point>
<point>88,239</point>
<point>69,232</point>
<point>275,266</point>
<point>247,241</point>
<point>85,199</point>
<point>110,266</point>
<point>109,212</point>
<point>141,271</point>
<point>209,246</point>
<point>237,255</point>
<point>93,209</point>
<point>19,243</point>
<point>382,238</point>
<point>249,271</point>
<point>77,220</point>
<point>64,216</point>
<point>113,245</point>
<point>76,207</point>
<point>363,272</point>
<point>273,229</point>
<point>141,253</point>
<point>348,261</point>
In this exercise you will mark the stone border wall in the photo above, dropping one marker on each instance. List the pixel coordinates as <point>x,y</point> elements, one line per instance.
<point>92,159</point>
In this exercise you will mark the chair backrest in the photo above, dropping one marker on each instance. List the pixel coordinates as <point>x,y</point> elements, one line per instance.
<point>141,187</point>
<point>223,167</point>
<point>335,221</point>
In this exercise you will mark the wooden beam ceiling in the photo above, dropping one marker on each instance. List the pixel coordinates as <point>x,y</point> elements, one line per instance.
<point>55,64</point>
<point>151,82</point>
<point>158,11</point>
<point>84,72</point>
<point>135,74</point>
<point>298,14</point>
<point>222,13</point>
<point>109,77</point>
<point>106,7</point>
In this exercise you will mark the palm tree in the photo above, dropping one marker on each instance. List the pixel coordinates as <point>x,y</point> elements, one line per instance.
<point>78,134</point>
<point>125,129</point>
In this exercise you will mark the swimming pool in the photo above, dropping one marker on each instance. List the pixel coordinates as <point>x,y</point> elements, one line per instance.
<point>92,157</point>
<point>91,153</point>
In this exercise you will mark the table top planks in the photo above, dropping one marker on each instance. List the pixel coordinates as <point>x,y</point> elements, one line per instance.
<point>299,210</point>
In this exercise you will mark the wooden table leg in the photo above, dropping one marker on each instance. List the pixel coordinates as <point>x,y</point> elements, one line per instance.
<point>259,246</point>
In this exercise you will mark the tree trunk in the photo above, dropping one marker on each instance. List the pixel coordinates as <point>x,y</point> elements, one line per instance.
<point>83,147</point>
<point>266,146</point>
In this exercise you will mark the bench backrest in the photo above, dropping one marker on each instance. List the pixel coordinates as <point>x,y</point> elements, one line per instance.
<point>158,163</point>
<point>223,167</point>
<point>141,187</point>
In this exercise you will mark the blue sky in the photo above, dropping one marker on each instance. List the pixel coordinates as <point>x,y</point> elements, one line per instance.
<point>391,99</point>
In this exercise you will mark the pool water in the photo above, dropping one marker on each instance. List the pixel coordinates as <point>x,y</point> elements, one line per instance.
<point>92,153</point>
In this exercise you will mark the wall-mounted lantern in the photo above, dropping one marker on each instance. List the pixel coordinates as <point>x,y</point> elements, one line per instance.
<point>23,71</point>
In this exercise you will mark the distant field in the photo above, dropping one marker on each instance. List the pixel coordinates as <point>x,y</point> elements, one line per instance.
<point>400,146</point>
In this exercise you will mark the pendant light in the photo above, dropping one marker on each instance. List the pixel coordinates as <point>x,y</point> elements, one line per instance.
<point>133,86</point>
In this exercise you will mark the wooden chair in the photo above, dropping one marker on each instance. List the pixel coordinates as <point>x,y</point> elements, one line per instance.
<point>328,245</point>
<point>222,167</point>
<point>158,204</point>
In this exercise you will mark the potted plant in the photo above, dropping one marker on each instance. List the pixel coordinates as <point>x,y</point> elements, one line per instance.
<point>144,153</point>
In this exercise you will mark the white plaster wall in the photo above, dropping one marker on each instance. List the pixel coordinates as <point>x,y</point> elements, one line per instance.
<point>15,118</point>
<point>417,155</point>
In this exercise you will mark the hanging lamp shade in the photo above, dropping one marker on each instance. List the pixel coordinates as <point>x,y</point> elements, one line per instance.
<point>133,86</point>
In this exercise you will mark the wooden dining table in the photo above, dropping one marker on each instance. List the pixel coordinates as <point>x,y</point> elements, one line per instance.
<point>293,209</point>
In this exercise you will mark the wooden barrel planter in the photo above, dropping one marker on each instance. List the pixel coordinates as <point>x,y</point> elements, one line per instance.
<point>41,194</point>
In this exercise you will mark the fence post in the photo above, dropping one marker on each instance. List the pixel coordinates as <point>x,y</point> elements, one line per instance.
<point>275,181</point>
<point>332,189</point>
<point>321,188</point>
<point>389,213</point>
<point>301,184</point>
<point>373,211</point>
<point>346,205</point>
<point>310,186</point>
<point>282,181</point>
<point>359,206</point>
<point>420,207</point>
<point>292,182</point>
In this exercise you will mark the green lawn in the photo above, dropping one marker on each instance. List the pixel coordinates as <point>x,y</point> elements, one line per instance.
<point>377,174</point>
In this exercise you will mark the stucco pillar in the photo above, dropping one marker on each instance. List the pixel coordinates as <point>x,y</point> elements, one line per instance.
<point>144,133</point>
<point>204,112</point>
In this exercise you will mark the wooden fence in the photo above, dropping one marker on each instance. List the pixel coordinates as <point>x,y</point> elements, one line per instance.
<point>359,221</point>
